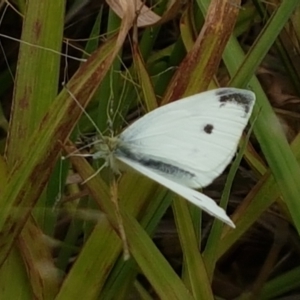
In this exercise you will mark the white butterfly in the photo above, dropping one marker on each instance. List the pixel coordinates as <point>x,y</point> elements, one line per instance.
<point>185,144</point>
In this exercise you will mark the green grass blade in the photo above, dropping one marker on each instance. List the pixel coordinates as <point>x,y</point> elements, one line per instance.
<point>153,265</point>
<point>35,88</point>
<point>270,134</point>
<point>194,263</point>
<point>259,199</point>
<point>29,175</point>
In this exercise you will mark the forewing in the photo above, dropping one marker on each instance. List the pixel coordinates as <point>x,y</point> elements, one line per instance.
<point>200,200</point>
<point>192,140</point>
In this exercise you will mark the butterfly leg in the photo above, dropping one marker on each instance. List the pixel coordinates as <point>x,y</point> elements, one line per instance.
<point>95,174</point>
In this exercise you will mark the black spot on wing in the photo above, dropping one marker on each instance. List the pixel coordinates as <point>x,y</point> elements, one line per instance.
<point>238,98</point>
<point>208,128</point>
<point>164,168</point>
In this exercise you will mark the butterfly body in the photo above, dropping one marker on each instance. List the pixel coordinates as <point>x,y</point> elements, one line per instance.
<point>105,149</point>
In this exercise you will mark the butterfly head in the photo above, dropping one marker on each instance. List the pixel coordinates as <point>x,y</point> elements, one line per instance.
<point>105,148</point>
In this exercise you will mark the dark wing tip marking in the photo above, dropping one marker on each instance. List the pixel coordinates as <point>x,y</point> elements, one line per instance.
<point>208,128</point>
<point>243,99</point>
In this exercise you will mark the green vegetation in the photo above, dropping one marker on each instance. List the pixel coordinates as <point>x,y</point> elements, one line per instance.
<point>59,238</point>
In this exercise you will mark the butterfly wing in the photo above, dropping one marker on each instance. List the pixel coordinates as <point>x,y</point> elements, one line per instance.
<point>202,201</point>
<point>192,140</point>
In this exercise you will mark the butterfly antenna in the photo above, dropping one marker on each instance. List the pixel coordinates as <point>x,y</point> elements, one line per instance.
<point>83,110</point>
<point>110,108</point>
